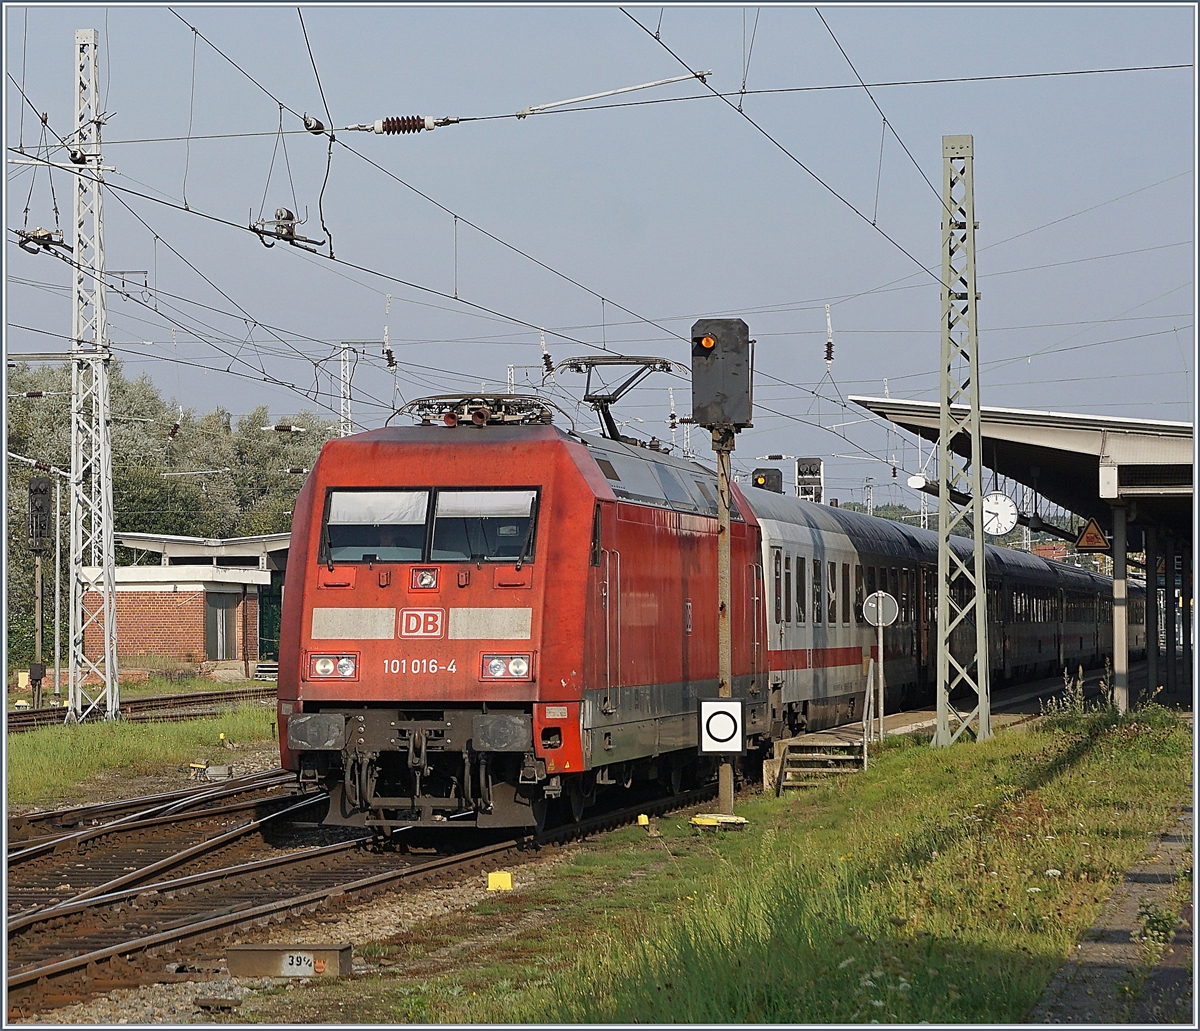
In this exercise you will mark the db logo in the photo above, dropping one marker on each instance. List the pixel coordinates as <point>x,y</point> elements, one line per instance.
<point>421,622</point>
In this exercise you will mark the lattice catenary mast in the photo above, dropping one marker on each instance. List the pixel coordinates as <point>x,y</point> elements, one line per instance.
<point>962,585</point>
<point>92,574</point>
<point>345,419</point>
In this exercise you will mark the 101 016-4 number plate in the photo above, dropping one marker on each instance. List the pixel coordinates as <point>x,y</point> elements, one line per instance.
<point>412,665</point>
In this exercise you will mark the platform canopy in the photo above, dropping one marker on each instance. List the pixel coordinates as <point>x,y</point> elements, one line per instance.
<point>1085,463</point>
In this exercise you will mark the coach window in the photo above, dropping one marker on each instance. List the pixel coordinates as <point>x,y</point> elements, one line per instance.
<point>787,588</point>
<point>375,526</point>
<point>778,586</point>
<point>479,525</point>
<point>895,585</point>
<point>846,593</point>
<point>905,596</point>
<point>817,592</point>
<point>870,579</point>
<point>800,588</point>
<point>832,593</point>
<point>858,594</point>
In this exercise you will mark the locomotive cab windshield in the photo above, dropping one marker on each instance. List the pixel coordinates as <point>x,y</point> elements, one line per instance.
<point>394,526</point>
<point>375,526</point>
<point>481,525</point>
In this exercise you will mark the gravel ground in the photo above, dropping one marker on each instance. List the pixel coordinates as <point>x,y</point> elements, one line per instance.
<point>374,919</point>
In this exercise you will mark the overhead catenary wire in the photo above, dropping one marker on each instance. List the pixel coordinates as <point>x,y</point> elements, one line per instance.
<point>887,124</point>
<point>746,54</point>
<point>329,152</point>
<point>794,159</point>
<point>191,110</point>
<point>374,272</point>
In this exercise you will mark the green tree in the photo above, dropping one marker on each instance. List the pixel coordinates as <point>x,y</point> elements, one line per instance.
<point>249,493</point>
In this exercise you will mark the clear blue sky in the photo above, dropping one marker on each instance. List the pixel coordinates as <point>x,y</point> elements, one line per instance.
<point>1085,194</point>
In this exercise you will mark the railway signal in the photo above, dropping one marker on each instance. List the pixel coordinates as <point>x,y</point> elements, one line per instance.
<point>768,479</point>
<point>722,401</point>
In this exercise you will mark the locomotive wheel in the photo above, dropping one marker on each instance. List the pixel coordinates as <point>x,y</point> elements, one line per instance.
<point>675,779</point>
<point>576,797</point>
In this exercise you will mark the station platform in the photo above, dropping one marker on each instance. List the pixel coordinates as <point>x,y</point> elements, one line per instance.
<point>1009,705</point>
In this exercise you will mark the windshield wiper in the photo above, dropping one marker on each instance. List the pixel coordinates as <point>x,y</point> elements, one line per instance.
<point>528,539</point>
<point>328,543</point>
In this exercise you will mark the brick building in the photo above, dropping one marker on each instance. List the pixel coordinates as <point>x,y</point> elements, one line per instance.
<point>199,600</point>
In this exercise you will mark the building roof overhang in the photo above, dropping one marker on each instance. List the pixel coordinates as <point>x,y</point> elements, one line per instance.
<point>1085,463</point>
<point>173,547</point>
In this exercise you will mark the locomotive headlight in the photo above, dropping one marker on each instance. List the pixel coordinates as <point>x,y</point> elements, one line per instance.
<point>321,667</point>
<point>506,667</point>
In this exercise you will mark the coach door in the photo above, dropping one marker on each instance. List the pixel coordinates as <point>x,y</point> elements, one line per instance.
<point>603,631</point>
<point>926,617</point>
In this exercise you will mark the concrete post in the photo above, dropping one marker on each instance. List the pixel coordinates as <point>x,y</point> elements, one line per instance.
<point>1120,622</point>
<point>1152,663</point>
<point>1170,614</point>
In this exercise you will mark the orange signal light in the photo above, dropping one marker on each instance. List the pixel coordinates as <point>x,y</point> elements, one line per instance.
<point>708,342</point>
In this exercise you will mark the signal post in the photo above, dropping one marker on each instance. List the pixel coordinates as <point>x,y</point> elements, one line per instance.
<point>722,375</point>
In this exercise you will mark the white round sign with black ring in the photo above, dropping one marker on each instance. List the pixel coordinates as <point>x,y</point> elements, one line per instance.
<point>721,726</point>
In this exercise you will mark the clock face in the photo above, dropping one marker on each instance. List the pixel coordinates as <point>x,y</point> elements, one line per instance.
<point>999,514</point>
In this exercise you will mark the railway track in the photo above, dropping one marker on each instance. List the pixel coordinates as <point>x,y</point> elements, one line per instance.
<point>191,706</point>
<point>110,936</point>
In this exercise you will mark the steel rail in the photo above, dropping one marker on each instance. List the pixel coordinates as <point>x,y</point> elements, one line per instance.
<point>28,975</point>
<point>160,821</point>
<point>135,820</point>
<point>191,852</point>
<point>78,813</point>
<point>142,708</point>
<point>71,907</point>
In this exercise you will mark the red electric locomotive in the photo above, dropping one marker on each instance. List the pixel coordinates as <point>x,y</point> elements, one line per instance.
<point>487,614</point>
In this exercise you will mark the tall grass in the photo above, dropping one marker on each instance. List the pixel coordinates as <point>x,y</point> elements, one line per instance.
<point>942,886</point>
<point>53,761</point>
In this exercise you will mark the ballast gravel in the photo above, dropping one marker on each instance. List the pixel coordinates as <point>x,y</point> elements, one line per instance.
<point>372,920</point>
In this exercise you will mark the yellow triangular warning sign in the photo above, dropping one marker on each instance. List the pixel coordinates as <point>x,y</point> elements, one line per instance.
<point>1092,538</point>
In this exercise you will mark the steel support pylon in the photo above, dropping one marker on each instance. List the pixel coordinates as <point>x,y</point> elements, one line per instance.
<point>92,605</point>
<point>962,645</point>
<point>345,419</point>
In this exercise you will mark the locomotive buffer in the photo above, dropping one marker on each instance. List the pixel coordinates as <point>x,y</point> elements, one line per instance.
<point>722,399</point>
